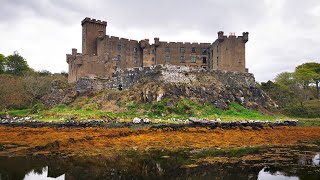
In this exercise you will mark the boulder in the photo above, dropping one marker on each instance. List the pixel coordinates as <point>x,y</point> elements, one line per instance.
<point>136,120</point>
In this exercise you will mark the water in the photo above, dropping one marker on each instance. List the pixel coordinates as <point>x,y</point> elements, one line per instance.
<point>32,175</point>
<point>156,166</point>
<point>266,175</point>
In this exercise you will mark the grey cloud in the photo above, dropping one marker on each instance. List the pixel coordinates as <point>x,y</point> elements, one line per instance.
<point>298,13</point>
<point>267,54</point>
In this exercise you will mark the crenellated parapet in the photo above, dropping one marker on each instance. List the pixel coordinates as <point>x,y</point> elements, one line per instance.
<point>89,20</point>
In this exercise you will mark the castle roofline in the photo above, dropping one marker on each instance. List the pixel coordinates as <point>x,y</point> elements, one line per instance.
<point>89,20</point>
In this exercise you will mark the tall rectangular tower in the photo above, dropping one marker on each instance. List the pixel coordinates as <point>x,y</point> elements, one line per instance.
<point>91,30</point>
<point>228,53</point>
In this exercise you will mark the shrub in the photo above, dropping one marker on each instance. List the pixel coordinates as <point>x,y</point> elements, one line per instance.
<point>37,108</point>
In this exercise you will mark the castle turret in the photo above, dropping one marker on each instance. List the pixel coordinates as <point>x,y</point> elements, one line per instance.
<point>220,36</point>
<point>245,37</point>
<point>144,43</point>
<point>156,41</point>
<point>91,30</point>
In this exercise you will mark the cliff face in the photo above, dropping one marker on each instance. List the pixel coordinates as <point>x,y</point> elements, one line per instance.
<point>149,84</point>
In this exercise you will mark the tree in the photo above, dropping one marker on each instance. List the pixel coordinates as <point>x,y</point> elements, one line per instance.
<point>12,94</point>
<point>289,87</point>
<point>16,65</point>
<point>2,63</point>
<point>307,74</point>
<point>37,86</point>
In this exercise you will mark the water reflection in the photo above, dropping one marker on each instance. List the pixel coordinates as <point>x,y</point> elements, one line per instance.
<point>264,174</point>
<point>33,175</point>
<point>316,160</point>
<point>155,166</point>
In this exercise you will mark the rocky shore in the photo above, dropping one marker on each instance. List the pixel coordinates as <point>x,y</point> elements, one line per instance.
<point>177,124</point>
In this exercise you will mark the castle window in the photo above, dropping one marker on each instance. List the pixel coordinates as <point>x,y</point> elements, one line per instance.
<point>182,50</point>
<point>135,49</point>
<point>119,47</point>
<point>194,59</point>
<point>119,58</point>
<point>135,60</point>
<point>217,61</point>
<point>152,59</point>
<point>193,50</point>
<point>204,60</point>
<point>182,59</point>
<point>167,58</point>
<point>152,51</point>
<point>204,51</point>
<point>167,49</point>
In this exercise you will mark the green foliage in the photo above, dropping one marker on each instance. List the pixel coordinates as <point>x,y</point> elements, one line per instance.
<point>2,63</point>
<point>16,65</point>
<point>37,108</point>
<point>310,109</point>
<point>17,112</point>
<point>294,92</point>
<point>184,108</point>
<point>308,73</point>
<point>285,79</point>
<point>44,73</point>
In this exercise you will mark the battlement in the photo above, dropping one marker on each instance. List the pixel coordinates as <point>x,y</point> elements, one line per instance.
<point>222,37</point>
<point>89,20</point>
<point>184,44</point>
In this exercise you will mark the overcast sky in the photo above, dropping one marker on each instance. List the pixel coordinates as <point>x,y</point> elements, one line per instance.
<point>282,33</point>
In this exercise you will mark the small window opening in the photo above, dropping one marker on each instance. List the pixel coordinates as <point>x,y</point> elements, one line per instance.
<point>135,60</point>
<point>204,60</point>
<point>167,58</point>
<point>204,51</point>
<point>182,59</point>
<point>194,59</point>
<point>120,87</point>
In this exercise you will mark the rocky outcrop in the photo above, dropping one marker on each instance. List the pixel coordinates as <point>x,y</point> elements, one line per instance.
<point>149,84</point>
<point>61,93</point>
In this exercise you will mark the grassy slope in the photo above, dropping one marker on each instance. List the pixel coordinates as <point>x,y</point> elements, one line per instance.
<point>159,110</point>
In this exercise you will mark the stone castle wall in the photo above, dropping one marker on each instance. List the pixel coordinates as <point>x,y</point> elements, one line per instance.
<point>102,55</point>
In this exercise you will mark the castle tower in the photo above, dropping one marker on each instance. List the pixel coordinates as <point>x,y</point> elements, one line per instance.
<point>91,30</point>
<point>228,52</point>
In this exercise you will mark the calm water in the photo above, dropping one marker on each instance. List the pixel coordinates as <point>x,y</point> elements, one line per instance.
<point>156,166</point>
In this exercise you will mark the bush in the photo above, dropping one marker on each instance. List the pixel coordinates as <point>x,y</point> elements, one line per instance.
<point>37,108</point>
<point>310,109</point>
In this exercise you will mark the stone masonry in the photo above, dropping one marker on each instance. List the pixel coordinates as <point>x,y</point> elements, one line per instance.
<point>102,55</point>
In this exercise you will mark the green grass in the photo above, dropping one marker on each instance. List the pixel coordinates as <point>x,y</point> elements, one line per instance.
<point>186,108</point>
<point>309,121</point>
<point>162,110</point>
<point>18,112</point>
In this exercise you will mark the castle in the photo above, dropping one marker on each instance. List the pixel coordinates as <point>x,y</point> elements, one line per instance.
<point>102,55</point>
